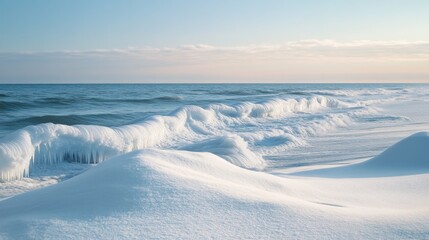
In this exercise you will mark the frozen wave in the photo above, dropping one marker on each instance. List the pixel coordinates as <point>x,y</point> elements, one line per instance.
<point>52,143</point>
<point>232,148</point>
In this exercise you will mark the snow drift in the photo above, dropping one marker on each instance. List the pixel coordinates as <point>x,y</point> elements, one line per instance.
<point>408,156</point>
<point>153,191</point>
<point>411,153</point>
<point>179,194</point>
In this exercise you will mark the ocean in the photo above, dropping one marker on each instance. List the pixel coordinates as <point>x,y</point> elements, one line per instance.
<point>49,133</point>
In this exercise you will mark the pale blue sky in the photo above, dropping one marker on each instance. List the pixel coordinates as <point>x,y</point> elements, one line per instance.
<point>45,25</point>
<point>81,25</point>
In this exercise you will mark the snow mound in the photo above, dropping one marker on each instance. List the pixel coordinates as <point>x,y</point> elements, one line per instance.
<point>144,188</point>
<point>122,181</point>
<point>197,195</point>
<point>232,148</point>
<point>408,156</point>
<point>409,153</point>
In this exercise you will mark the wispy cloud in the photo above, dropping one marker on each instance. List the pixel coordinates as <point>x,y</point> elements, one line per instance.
<point>304,48</point>
<point>276,61</point>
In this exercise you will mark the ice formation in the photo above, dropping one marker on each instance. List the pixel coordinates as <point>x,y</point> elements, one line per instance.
<point>51,143</point>
<point>232,148</point>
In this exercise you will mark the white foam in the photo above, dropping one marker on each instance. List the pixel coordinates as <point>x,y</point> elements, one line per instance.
<point>358,92</point>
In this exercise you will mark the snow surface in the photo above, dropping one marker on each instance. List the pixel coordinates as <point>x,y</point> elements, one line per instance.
<point>180,194</point>
<point>408,156</point>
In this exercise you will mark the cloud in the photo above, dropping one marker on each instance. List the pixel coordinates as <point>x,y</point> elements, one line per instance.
<point>306,59</point>
<point>304,48</point>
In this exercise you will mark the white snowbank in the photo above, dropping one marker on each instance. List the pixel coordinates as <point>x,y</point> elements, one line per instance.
<point>51,143</point>
<point>408,156</point>
<point>179,194</point>
<point>411,153</point>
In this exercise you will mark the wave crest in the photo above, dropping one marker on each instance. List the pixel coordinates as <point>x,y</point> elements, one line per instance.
<point>51,143</point>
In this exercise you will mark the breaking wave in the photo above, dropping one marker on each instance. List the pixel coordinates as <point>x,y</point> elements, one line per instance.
<point>189,127</point>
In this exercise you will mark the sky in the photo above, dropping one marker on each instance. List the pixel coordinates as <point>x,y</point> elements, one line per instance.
<point>103,41</point>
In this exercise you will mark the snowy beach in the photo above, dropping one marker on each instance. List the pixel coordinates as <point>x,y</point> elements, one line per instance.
<point>262,161</point>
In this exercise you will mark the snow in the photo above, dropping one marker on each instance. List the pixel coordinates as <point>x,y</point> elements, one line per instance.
<point>408,156</point>
<point>155,193</point>
<point>232,148</point>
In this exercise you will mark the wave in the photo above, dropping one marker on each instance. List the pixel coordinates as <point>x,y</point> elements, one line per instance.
<point>145,100</point>
<point>13,105</point>
<point>71,119</point>
<point>298,93</point>
<point>328,92</point>
<point>356,92</point>
<point>69,101</point>
<point>51,143</point>
<point>168,98</point>
<point>233,92</point>
<point>59,100</point>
